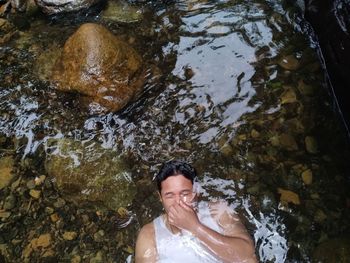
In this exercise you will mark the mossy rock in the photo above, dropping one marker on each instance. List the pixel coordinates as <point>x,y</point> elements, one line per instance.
<point>88,172</point>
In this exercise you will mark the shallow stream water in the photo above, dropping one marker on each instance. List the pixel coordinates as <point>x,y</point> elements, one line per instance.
<point>242,96</point>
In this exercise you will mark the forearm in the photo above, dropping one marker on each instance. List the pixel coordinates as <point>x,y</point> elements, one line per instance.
<point>229,249</point>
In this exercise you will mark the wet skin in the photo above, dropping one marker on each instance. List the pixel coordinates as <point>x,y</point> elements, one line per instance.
<point>234,245</point>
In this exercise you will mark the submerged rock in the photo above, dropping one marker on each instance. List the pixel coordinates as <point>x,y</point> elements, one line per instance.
<point>100,66</point>
<point>311,144</point>
<point>121,11</point>
<point>88,172</point>
<point>288,196</point>
<point>62,6</point>
<point>289,62</point>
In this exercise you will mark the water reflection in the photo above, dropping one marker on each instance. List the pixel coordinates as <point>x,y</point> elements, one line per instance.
<point>225,102</point>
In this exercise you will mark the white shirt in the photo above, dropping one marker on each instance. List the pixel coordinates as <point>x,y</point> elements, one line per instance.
<point>184,247</point>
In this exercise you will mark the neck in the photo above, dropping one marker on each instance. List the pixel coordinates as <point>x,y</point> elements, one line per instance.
<point>173,229</point>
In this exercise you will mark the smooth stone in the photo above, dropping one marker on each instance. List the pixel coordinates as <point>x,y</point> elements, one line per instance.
<point>101,67</point>
<point>275,141</point>
<point>288,196</point>
<point>70,235</point>
<point>307,177</point>
<point>42,241</point>
<point>226,150</point>
<point>99,236</point>
<point>87,172</point>
<point>49,210</point>
<point>289,62</point>
<point>39,180</point>
<point>35,193</point>
<point>54,217</point>
<point>255,134</point>
<point>6,171</point>
<point>5,214</point>
<point>10,202</point>
<point>99,258</point>
<point>311,144</point>
<point>288,96</point>
<point>76,259</point>
<point>59,203</point>
<point>121,11</point>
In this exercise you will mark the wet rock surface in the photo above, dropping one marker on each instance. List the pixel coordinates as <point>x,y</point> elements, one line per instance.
<point>90,173</point>
<point>98,65</point>
<point>122,12</point>
<point>267,143</point>
<point>63,6</point>
<point>32,229</point>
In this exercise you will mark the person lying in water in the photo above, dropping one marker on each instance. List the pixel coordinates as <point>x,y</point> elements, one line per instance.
<point>191,231</point>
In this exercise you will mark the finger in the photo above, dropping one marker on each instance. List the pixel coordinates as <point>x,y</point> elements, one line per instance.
<point>185,206</point>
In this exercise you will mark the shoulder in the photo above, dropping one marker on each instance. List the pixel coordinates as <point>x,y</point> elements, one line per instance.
<point>145,244</point>
<point>146,234</point>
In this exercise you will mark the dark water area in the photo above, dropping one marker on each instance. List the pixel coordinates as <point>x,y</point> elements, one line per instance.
<point>242,96</point>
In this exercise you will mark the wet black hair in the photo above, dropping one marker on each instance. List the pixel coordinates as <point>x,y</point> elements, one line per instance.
<point>175,167</point>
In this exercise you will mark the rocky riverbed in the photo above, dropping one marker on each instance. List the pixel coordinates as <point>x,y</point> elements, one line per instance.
<point>238,91</point>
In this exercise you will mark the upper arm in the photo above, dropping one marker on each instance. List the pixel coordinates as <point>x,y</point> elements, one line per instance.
<point>146,250</point>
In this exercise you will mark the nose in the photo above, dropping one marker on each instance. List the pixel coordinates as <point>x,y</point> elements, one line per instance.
<point>177,199</point>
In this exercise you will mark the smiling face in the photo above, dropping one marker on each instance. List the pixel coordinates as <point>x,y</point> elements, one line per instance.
<point>174,189</point>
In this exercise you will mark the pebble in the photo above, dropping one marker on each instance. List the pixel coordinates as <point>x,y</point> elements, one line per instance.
<point>35,193</point>
<point>307,177</point>
<point>76,259</point>
<point>4,214</point>
<point>85,219</point>
<point>54,217</point>
<point>254,133</point>
<point>49,210</point>
<point>289,62</point>
<point>98,236</point>
<point>31,184</point>
<point>288,96</point>
<point>39,180</point>
<point>311,144</point>
<point>10,202</point>
<point>289,196</point>
<point>43,240</point>
<point>59,203</point>
<point>99,258</point>
<point>70,235</point>
<point>226,150</point>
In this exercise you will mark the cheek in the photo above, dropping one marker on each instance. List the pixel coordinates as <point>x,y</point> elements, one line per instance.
<point>167,204</point>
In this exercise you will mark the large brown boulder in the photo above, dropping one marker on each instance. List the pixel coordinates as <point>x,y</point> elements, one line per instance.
<point>99,65</point>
